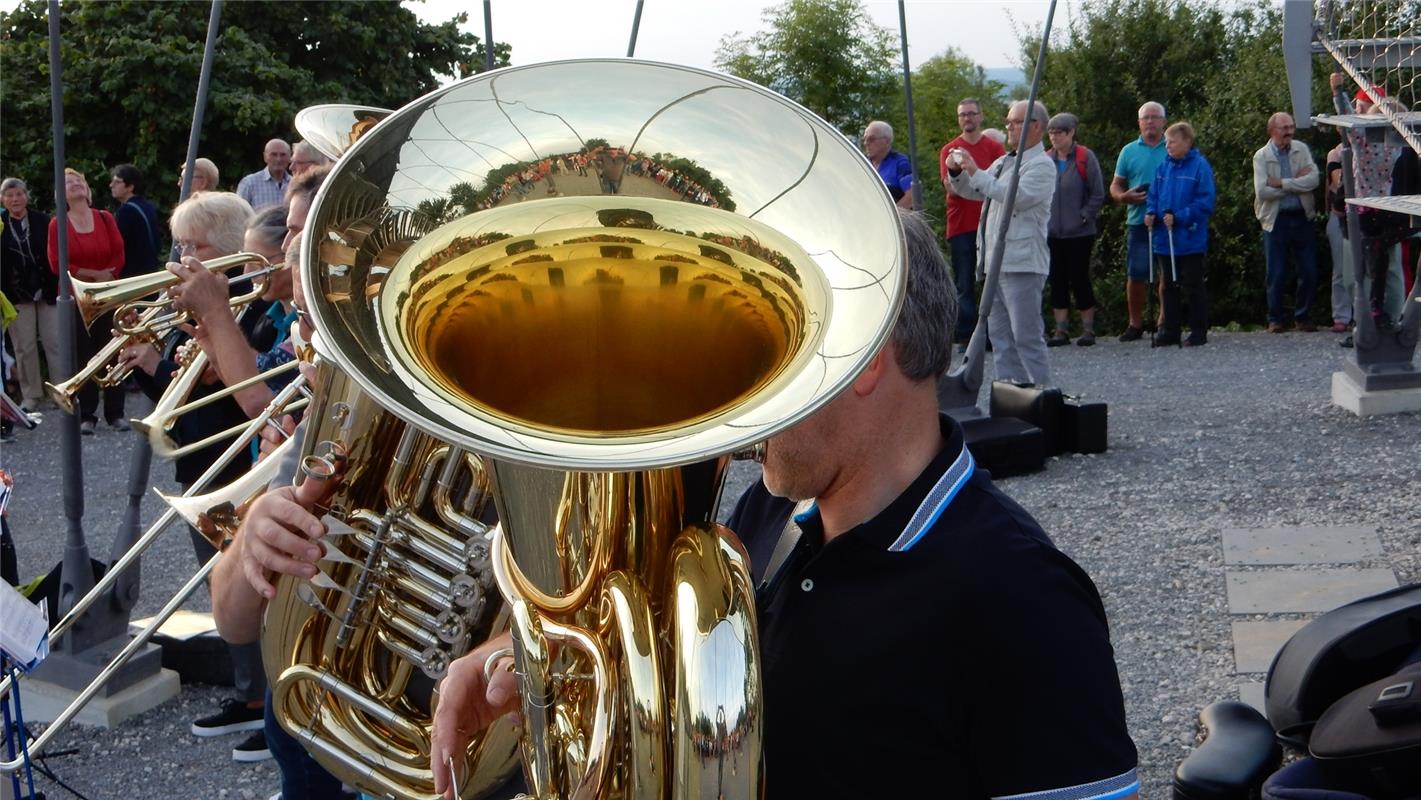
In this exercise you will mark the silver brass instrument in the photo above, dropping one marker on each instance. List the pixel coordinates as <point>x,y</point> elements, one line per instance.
<point>154,320</point>
<point>601,346</point>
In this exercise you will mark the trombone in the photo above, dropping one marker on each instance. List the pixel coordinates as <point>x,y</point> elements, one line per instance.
<point>216,502</point>
<point>174,403</point>
<point>156,318</point>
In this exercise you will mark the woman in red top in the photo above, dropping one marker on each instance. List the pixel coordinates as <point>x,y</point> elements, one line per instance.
<point>95,254</point>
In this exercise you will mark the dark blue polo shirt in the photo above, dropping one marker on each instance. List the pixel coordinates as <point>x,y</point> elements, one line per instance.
<point>943,649</point>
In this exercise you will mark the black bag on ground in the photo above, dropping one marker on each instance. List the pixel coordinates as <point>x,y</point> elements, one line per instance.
<point>1370,740</point>
<point>1363,641</point>
<point>1036,405</point>
<point>1004,446</point>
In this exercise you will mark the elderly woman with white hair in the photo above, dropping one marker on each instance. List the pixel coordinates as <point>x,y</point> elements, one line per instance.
<point>205,226</point>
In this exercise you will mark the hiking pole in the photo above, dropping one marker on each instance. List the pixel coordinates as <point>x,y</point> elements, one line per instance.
<point>1173,269</point>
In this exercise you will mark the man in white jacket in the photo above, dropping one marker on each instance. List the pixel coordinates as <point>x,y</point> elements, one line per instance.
<point>1014,325</point>
<point>1284,181</point>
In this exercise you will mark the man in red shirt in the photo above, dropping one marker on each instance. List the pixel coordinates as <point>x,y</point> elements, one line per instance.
<point>964,215</point>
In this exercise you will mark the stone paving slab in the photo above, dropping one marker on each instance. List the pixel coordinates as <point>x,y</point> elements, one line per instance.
<point>1252,693</point>
<point>1302,545</point>
<point>1299,591</point>
<point>1256,642</point>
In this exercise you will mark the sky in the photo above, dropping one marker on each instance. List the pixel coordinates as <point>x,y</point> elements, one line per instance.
<point>688,31</point>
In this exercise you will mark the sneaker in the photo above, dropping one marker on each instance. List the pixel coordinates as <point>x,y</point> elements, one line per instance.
<point>1276,327</point>
<point>86,427</point>
<point>1305,326</point>
<point>119,424</point>
<point>233,718</point>
<point>1346,342</point>
<point>1058,338</point>
<point>1132,334</point>
<point>252,749</point>
<point>1165,340</point>
<point>1192,342</point>
<point>1087,339</point>
<point>1339,327</point>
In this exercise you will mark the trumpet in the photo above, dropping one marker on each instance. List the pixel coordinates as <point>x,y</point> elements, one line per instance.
<point>94,299</point>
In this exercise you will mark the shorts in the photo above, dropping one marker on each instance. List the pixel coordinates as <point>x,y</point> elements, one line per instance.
<point>1137,252</point>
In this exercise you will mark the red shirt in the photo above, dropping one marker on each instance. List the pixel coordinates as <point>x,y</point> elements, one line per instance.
<point>962,214</point>
<point>100,249</point>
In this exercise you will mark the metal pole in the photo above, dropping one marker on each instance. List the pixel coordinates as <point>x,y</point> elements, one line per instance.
<point>78,576</point>
<point>140,461</point>
<point>636,25</point>
<point>908,98</point>
<point>488,35</point>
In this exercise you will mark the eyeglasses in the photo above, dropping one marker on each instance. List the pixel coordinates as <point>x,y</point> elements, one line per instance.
<point>1152,116</point>
<point>1014,123</point>
<point>969,113</point>
<point>874,138</point>
<point>188,246</point>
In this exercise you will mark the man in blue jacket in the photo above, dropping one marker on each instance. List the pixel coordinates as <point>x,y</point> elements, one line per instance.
<point>1182,198</point>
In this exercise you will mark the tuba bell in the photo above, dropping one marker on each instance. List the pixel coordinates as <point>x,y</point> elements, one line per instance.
<point>591,348</point>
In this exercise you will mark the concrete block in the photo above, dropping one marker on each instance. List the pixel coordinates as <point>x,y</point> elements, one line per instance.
<point>1298,591</point>
<point>1346,393</point>
<point>1252,693</point>
<point>44,702</point>
<point>1255,643</point>
<point>1313,545</point>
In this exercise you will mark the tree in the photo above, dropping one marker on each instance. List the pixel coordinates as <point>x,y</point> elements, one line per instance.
<point>131,70</point>
<point>827,55</point>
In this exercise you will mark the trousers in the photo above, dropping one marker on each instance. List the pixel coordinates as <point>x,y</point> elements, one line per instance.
<point>1016,331</point>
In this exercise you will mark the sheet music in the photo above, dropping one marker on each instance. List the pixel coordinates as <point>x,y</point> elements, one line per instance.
<point>24,628</point>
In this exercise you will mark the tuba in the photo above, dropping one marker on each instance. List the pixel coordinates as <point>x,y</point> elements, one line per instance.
<point>587,352</point>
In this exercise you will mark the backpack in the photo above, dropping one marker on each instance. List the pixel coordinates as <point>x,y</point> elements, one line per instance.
<point>1080,157</point>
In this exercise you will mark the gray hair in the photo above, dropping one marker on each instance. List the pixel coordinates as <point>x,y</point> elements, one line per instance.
<point>14,183</point>
<point>1038,114</point>
<point>922,336</point>
<point>309,151</point>
<point>269,225</point>
<point>222,215</point>
<point>1146,107</point>
<point>882,127</point>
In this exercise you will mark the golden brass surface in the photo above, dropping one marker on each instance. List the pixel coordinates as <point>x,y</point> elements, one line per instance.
<point>601,278</point>
<point>93,299</point>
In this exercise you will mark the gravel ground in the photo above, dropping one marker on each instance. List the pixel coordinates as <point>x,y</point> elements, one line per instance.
<point>1237,434</point>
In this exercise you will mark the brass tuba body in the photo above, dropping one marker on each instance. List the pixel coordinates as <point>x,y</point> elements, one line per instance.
<point>600,278</point>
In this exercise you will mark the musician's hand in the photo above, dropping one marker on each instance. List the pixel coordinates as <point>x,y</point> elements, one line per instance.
<point>201,293</point>
<point>142,356</point>
<point>270,439</point>
<point>281,535</point>
<point>467,706</point>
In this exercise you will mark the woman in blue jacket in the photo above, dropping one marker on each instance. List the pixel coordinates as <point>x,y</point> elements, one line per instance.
<point>1181,197</point>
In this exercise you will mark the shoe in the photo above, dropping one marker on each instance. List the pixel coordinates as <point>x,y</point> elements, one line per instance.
<point>1165,340</point>
<point>1192,342</point>
<point>1275,327</point>
<point>1058,338</point>
<point>276,796</point>
<point>252,749</point>
<point>1304,326</point>
<point>1087,339</point>
<point>86,427</point>
<point>1347,343</point>
<point>233,718</point>
<point>1339,327</point>
<point>7,435</point>
<point>1132,334</point>
<point>119,424</point>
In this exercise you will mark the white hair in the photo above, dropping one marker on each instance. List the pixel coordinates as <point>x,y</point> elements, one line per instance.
<point>881,127</point>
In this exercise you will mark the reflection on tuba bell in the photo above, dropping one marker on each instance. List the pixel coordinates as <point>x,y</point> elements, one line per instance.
<point>601,346</point>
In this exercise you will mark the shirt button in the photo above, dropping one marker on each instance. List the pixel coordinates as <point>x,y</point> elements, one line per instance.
<point>807,585</point>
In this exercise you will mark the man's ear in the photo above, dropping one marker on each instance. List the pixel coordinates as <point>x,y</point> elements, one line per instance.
<point>867,381</point>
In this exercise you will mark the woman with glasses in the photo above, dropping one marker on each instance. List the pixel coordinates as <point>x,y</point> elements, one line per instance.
<point>96,253</point>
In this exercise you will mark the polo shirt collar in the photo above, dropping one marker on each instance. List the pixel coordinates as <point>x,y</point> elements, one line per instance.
<point>913,513</point>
